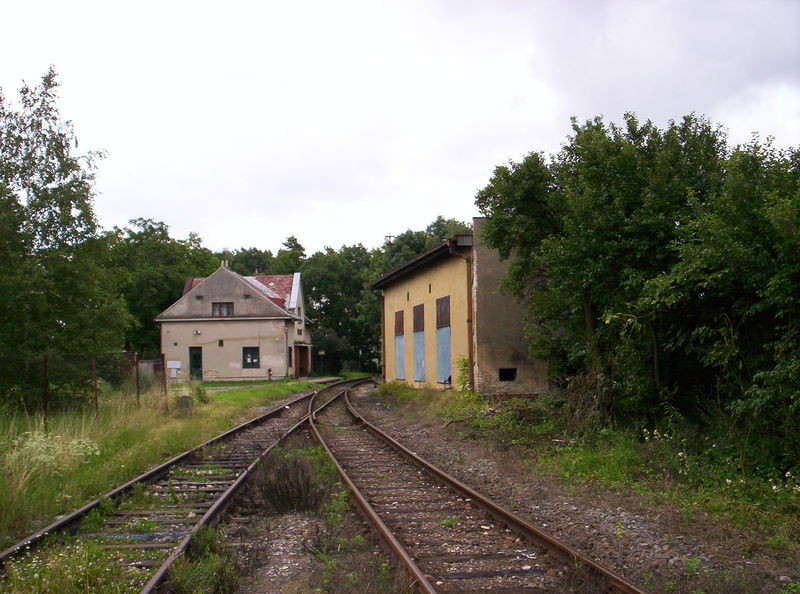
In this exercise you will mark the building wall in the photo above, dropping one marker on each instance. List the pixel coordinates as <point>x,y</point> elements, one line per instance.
<point>499,337</point>
<point>442,278</point>
<point>225,362</point>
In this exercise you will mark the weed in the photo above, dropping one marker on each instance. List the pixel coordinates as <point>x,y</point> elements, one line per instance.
<point>449,521</point>
<point>692,565</point>
<point>207,567</point>
<point>338,506</point>
<point>142,526</point>
<point>697,472</point>
<point>73,567</point>
<point>51,470</point>
<point>291,482</point>
<point>95,519</point>
<point>199,393</point>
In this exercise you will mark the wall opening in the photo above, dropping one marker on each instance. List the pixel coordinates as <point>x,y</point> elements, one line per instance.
<point>507,374</point>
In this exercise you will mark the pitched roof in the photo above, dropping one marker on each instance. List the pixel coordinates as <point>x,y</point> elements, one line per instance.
<point>444,249</point>
<point>279,294</point>
<point>276,287</point>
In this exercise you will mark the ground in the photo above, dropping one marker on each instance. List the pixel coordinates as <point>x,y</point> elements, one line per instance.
<point>660,549</point>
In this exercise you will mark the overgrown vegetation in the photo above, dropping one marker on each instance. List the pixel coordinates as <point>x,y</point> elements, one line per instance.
<point>559,433</point>
<point>659,268</point>
<point>49,470</point>
<point>207,568</point>
<point>297,478</point>
<point>292,479</point>
<point>76,567</point>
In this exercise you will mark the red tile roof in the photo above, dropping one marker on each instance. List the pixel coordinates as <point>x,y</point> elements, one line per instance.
<point>277,287</point>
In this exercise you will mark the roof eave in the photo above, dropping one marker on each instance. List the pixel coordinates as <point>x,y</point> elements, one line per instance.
<point>444,249</point>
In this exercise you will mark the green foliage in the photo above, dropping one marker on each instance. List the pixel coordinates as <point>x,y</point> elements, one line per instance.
<point>660,267</point>
<point>339,506</point>
<point>50,470</point>
<point>154,268</point>
<point>199,393</point>
<point>76,567</point>
<point>208,568</point>
<point>57,295</point>
<point>449,521</point>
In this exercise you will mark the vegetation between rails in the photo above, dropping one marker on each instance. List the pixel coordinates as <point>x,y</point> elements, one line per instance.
<point>53,469</point>
<point>697,472</point>
<point>298,478</point>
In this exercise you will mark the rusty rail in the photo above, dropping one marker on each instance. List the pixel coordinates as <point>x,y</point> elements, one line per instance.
<point>616,583</point>
<point>391,541</point>
<point>74,517</point>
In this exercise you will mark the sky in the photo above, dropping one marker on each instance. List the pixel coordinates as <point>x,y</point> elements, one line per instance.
<point>344,122</point>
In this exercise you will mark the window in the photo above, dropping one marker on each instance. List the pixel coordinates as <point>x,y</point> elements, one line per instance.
<point>222,309</point>
<point>220,342</point>
<point>250,358</point>
<point>508,374</point>
<point>299,332</point>
<point>289,356</point>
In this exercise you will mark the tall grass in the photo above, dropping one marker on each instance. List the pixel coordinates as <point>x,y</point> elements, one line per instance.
<point>680,467</point>
<point>54,467</point>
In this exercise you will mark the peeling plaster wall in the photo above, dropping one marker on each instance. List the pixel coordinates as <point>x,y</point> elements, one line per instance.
<point>499,337</point>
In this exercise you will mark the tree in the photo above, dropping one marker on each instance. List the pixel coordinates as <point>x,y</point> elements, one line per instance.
<point>410,244</point>
<point>664,264</point>
<point>289,259</point>
<point>62,298</point>
<point>154,267</point>
<point>248,261</point>
<point>344,311</point>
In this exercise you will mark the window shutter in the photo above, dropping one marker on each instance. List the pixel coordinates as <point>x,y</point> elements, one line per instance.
<point>419,318</point>
<point>443,312</point>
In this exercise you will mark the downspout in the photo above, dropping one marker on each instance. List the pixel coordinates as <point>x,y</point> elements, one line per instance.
<point>286,346</point>
<point>451,244</point>
<point>384,330</point>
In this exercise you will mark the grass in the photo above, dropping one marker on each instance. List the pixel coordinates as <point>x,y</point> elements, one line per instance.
<point>693,472</point>
<point>207,567</point>
<point>54,468</point>
<point>73,567</point>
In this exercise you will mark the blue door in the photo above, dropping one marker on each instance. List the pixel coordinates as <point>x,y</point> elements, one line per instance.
<point>399,357</point>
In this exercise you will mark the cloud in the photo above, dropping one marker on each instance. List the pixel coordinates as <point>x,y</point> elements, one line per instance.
<point>345,122</point>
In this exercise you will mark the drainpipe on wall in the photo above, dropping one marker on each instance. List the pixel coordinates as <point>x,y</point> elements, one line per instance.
<point>384,330</point>
<point>451,244</point>
<point>286,346</point>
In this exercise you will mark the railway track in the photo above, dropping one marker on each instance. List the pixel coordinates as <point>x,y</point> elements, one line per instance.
<point>449,537</point>
<point>148,523</point>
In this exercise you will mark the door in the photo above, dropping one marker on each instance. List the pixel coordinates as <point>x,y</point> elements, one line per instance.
<point>196,363</point>
<point>302,361</point>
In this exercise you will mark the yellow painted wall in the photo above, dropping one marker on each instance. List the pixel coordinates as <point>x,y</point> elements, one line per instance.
<point>445,277</point>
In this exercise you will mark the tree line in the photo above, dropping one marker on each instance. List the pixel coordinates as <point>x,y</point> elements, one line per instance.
<point>70,286</point>
<point>660,269</point>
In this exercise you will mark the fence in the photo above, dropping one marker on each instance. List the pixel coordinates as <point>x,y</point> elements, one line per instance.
<point>59,380</point>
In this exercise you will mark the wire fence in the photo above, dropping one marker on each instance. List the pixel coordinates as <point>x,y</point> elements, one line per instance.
<point>58,380</point>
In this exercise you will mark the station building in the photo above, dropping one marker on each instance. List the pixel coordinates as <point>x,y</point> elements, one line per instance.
<point>443,317</point>
<point>229,327</point>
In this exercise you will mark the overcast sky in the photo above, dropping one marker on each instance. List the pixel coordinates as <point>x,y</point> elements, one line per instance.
<point>343,122</point>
